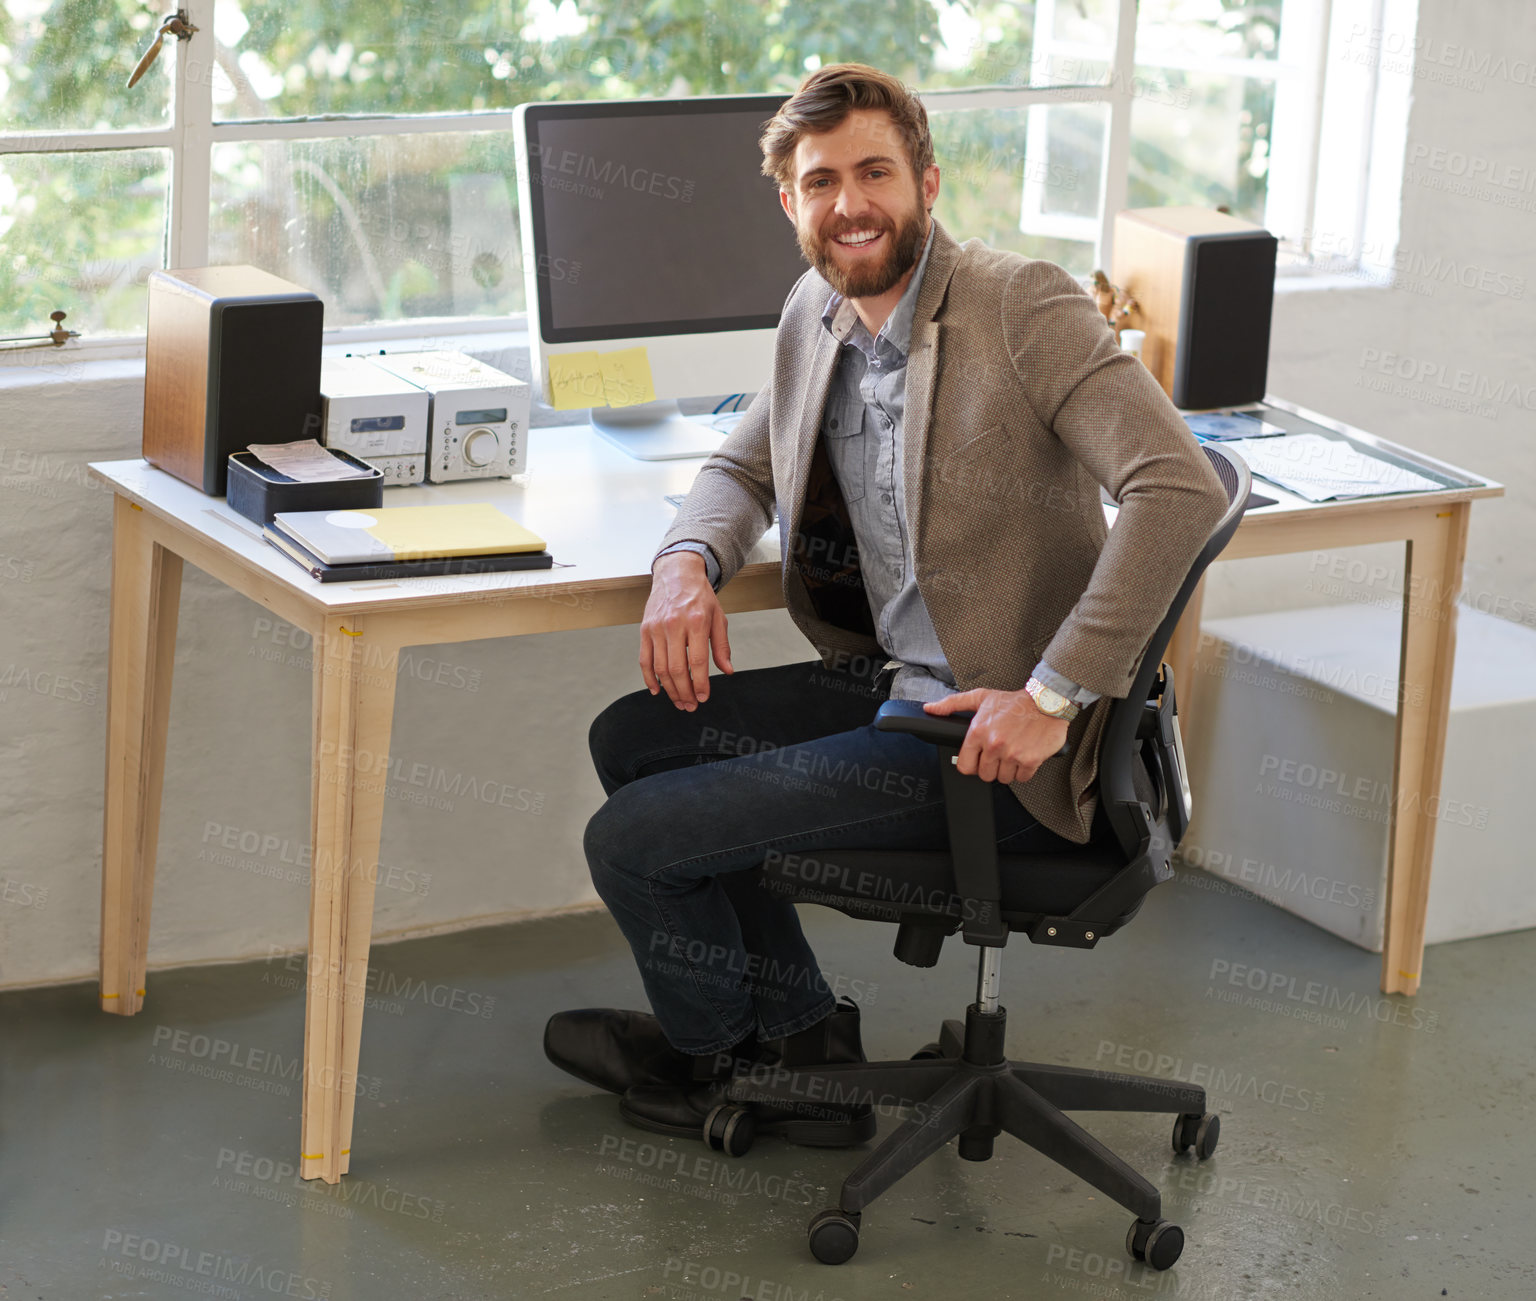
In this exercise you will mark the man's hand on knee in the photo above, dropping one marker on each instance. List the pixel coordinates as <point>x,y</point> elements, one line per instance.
<point>1008,739</point>
<point>683,620</point>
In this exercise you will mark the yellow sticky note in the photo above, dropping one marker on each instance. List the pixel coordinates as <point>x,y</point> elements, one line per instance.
<point>627,377</point>
<point>576,380</point>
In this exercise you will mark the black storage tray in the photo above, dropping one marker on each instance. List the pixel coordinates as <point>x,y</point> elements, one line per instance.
<point>259,492</point>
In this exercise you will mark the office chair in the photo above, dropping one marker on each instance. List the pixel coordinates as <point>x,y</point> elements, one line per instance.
<point>963,1085</point>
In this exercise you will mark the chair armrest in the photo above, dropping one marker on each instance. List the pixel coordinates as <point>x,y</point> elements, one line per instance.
<point>937,729</point>
<point>967,813</point>
<point>910,717</point>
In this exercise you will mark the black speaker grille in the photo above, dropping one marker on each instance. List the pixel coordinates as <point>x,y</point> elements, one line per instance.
<point>1223,348</point>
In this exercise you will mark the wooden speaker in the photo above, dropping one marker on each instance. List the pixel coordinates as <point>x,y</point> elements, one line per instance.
<point>1205,283</point>
<point>232,358</point>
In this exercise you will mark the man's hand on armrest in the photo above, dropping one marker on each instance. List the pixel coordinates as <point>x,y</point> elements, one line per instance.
<point>1008,739</point>
<point>683,619</point>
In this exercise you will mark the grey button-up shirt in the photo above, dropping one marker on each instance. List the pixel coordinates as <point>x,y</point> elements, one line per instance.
<point>862,426</point>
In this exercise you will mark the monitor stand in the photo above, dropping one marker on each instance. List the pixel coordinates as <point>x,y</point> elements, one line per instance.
<point>656,431</point>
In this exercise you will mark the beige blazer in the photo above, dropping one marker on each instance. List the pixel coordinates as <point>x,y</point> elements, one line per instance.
<point>1019,406</point>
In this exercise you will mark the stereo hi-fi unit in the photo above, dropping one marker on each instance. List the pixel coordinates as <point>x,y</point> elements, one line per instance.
<point>377,417</point>
<point>478,424</point>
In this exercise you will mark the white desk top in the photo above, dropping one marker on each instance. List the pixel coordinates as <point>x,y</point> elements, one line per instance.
<point>601,512</point>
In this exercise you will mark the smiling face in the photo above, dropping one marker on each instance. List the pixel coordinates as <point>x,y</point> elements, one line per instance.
<point>860,214</point>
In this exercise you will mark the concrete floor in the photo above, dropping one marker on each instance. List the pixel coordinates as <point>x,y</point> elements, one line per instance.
<point>1370,1148</point>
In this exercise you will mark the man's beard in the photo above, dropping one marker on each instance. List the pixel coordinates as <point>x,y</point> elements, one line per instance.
<point>868,278</point>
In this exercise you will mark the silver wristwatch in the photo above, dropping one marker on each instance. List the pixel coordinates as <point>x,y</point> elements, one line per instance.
<point>1051,703</point>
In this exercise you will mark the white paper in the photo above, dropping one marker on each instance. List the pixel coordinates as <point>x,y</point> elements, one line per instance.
<point>306,461</point>
<point>1321,469</point>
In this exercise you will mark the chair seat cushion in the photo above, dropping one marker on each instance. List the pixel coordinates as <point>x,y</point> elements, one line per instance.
<point>904,884</point>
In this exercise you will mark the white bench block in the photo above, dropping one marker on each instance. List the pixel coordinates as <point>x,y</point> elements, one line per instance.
<point>1290,752</point>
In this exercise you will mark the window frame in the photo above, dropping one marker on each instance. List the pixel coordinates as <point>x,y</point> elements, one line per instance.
<point>1298,72</point>
<point>192,134</point>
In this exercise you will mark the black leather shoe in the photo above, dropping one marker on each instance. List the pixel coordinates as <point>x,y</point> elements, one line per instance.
<point>616,1050</point>
<point>683,1109</point>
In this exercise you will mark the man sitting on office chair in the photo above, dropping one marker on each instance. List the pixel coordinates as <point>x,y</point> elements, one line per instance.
<point>935,432</point>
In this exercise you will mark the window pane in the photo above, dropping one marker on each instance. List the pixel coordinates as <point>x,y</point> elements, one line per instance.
<point>387,227</point>
<point>1189,33</point>
<point>65,64</point>
<point>1023,179</point>
<point>1063,42</point>
<point>80,232</point>
<point>277,59</point>
<point>381,227</point>
<point>1201,140</point>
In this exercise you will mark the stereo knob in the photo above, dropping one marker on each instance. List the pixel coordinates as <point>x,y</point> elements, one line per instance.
<point>480,447</point>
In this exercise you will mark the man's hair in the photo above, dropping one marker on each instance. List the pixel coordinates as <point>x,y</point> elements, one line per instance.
<point>825,99</point>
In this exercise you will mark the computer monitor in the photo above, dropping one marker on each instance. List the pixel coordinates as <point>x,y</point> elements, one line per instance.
<point>649,224</point>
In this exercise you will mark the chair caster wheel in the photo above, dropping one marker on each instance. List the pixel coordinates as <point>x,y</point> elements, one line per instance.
<point>927,1053</point>
<point>1157,1243</point>
<point>1200,1132</point>
<point>833,1235</point>
<point>730,1129</point>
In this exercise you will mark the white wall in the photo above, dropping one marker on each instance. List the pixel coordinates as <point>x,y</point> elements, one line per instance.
<point>510,717</point>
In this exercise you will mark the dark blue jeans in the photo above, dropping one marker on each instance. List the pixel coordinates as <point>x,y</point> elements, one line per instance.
<point>777,760</point>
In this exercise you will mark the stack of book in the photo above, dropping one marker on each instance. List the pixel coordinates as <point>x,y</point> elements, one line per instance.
<point>405,541</point>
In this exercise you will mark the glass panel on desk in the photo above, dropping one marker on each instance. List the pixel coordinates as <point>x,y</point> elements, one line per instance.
<point>82,232</point>
<point>1297,424</point>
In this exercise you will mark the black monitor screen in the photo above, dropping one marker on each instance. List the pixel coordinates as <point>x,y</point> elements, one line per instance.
<point>653,217</point>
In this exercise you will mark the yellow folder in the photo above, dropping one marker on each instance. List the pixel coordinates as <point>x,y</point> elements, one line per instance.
<point>341,537</point>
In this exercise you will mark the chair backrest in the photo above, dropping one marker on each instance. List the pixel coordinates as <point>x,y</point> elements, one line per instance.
<point>1119,748</point>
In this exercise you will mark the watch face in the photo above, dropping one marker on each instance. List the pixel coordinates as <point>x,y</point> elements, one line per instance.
<point>1051,702</point>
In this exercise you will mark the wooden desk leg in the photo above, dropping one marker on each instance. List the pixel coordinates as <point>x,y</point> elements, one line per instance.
<point>146,591</point>
<point>1180,657</point>
<point>1435,554</point>
<point>354,698</point>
